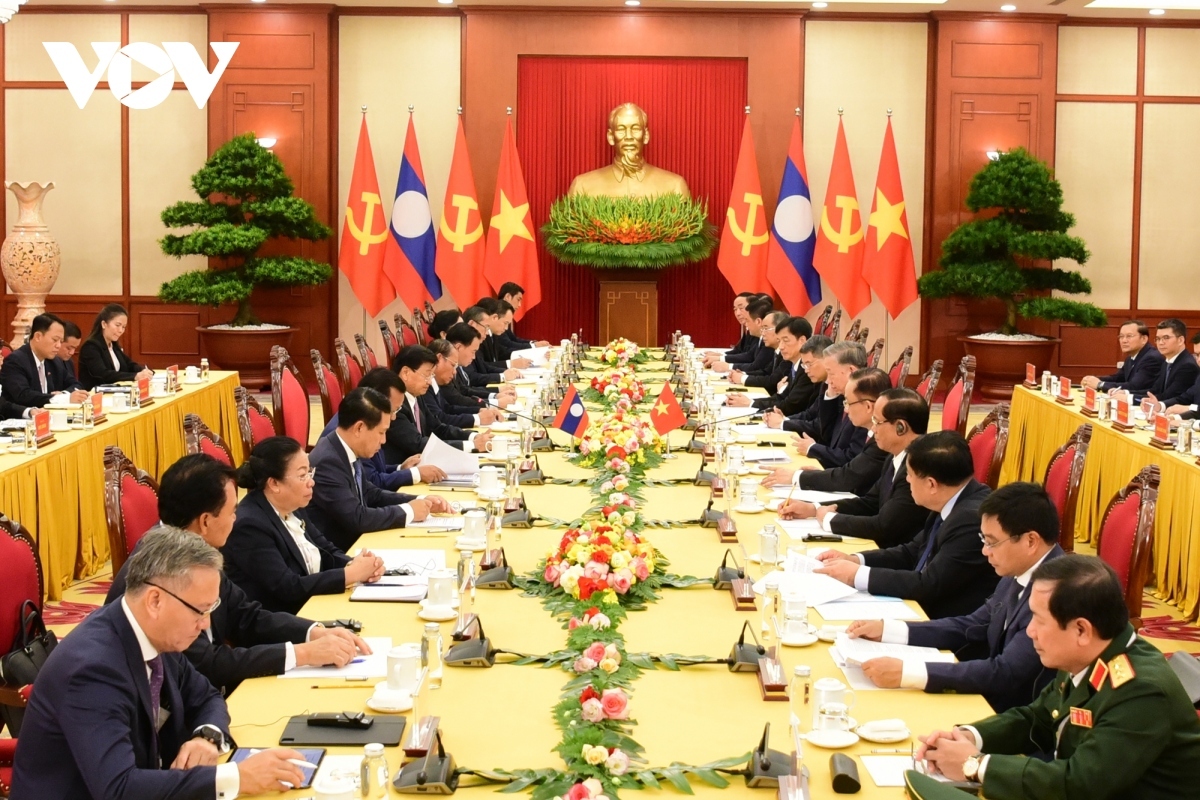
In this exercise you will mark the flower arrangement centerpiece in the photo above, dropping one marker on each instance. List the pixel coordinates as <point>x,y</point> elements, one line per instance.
<point>621,444</point>
<point>620,352</point>
<point>616,387</point>
<point>600,562</point>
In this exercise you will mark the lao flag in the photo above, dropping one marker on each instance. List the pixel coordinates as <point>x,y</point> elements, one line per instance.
<point>572,416</point>
<point>408,256</point>
<point>793,237</point>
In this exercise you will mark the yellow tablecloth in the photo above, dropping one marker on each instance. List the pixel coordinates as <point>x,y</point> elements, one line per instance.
<point>58,494</point>
<point>1038,426</point>
<point>501,717</point>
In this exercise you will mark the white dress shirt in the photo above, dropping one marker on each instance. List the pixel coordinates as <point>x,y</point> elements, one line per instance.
<point>229,781</point>
<point>862,577</point>
<point>826,523</point>
<point>116,362</point>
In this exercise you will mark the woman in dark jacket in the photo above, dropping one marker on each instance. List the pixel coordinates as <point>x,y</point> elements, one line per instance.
<point>275,554</point>
<point>101,359</point>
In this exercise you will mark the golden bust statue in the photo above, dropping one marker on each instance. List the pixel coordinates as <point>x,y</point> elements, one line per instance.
<point>628,174</point>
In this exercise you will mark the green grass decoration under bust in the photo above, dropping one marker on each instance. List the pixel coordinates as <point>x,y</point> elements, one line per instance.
<point>629,232</point>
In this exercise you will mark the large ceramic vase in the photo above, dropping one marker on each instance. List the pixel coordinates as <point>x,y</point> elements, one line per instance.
<point>30,256</point>
<point>1000,364</point>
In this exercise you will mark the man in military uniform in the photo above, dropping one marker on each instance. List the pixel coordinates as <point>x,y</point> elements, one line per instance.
<point>1114,723</point>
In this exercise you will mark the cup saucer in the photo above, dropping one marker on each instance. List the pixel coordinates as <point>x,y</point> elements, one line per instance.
<point>405,704</point>
<point>436,613</point>
<point>798,641</point>
<point>424,603</point>
<point>474,545</point>
<point>831,740</point>
<point>742,508</point>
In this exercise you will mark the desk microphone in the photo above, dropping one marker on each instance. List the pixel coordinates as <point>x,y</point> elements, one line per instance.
<point>545,443</point>
<point>695,445</point>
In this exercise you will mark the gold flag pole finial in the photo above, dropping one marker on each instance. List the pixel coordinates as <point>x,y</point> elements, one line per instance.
<point>889,113</point>
<point>410,108</point>
<point>797,111</point>
<point>364,110</point>
<point>508,110</point>
<point>747,109</point>
<point>840,110</point>
<point>460,111</point>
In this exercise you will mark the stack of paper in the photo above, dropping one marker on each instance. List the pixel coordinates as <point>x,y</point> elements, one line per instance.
<point>815,589</point>
<point>421,562</point>
<point>857,651</point>
<point>809,495</point>
<point>448,523</point>
<point>861,605</point>
<point>799,528</point>
<point>754,429</point>
<point>765,455</point>
<point>369,666</point>
<point>886,771</point>
<point>388,592</point>
<point>538,355</point>
<point>452,460</point>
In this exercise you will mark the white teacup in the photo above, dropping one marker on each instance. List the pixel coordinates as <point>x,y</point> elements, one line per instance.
<point>59,421</point>
<point>191,373</point>
<point>748,491</point>
<point>333,787</point>
<point>441,588</point>
<point>403,660</point>
<point>833,717</point>
<point>504,446</point>
<point>475,524</point>
<point>489,480</point>
<point>391,699</point>
<point>120,401</point>
<point>795,625</point>
<point>831,690</point>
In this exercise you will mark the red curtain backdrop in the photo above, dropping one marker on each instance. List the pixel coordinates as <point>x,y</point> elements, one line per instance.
<point>696,108</point>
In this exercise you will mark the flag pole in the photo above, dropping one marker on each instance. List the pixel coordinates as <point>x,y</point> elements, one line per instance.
<point>364,314</point>
<point>887,315</point>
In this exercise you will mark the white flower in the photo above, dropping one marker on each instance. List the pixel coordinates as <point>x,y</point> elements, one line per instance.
<point>599,621</point>
<point>595,755</point>
<point>617,763</point>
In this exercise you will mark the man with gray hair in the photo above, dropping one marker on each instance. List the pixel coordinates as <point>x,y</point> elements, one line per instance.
<point>118,712</point>
<point>838,439</point>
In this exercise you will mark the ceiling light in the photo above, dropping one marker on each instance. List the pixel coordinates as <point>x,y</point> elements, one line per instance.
<point>1157,12</point>
<point>258,1</point>
<point>820,5</point>
<point>633,2</point>
<point>1008,7</point>
<point>446,2</point>
<point>266,141</point>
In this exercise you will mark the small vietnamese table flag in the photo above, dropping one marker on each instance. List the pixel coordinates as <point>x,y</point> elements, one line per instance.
<point>667,415</point>
<point>888,261</point>
<point>511,247</point>
<point>365,231</point>
<point>460,240</point>
<point>572,417</point>
<point>408,255</point>
<point>839,252</point>
<point>742,258</point>
<point>790,252</point>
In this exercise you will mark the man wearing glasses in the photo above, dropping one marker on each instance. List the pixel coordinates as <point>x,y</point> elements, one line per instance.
<point>1140,367</point>
<point>1176,381</point>
<point>1019,530</point>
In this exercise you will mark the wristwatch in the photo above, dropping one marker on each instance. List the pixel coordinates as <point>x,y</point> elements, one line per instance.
<point>213,734</point>
<point>971,767</point>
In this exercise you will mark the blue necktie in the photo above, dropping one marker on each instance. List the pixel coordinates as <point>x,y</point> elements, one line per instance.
<point>358,485</point>
<point>933,529</point>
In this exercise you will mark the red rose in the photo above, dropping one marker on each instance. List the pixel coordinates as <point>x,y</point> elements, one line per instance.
<point>615,451</point>
<point>603,540</point>
<point>589,694</point>
<point>606,510</point>
<point>600,557</point>
<point>586,587</point>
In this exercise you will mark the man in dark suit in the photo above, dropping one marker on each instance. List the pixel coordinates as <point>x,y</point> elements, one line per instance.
<point>943,568</point>
<point>759,373</point>
<point>198,494</point>
<point>485,317</point>
<point>508,313</point>
<point>745,341</point>
<point>759,355</point>
<point>118,712</point>
<point>996,658</point>
<point>887,513</point>
<point>72,338</point>
<point>33,373</point>
<point>417,420</point>
<point>1141,365</point>
<point>465,340</point>
<point>825,407</point>
<point>838,440</point>
<point>1180,372</point>
<point>344,506</point>
<point>799,391</point>
<point>457,409</point>
<point>514,295</point>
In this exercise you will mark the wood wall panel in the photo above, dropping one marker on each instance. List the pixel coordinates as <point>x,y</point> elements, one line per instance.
<point>162,332</point>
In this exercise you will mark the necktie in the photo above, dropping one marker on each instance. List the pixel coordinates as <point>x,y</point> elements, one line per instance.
<point>358,484</point>
<point>885,482</point>
<point>42,376</point>
<point>933,529</point>
<point>416,409</point>
<point>1166,372</point>
<point>156,683</point>
<point>1012,602</point>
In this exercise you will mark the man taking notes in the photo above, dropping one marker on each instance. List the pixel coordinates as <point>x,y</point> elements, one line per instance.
<point>996,657</point>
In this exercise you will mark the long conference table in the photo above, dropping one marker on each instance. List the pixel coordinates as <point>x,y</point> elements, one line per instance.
<point>501,717</point>
<point>1039,426</point>
<point>58,492</point>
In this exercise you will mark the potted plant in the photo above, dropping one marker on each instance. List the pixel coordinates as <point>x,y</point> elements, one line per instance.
<point>1006,253</point>
<point>245,201</point>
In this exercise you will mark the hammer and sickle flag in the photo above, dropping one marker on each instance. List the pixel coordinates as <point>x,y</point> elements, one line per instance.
<point>364,232</point>
<point>460,239</point>
<point>742,258</point>
<point>511,246</point>
<point>888,261</point>
<point>839,252</point>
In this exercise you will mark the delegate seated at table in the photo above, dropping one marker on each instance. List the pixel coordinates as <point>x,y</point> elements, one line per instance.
<point>995,656</point>
<point>943,568</point>
<point>118,713</point>
<point>1177,379</point>
<point>415,422</point>
<point>745,341</point>
<point>101,359</point>
<point>275,554</point>
<point>798,391</point>
<point>826,432</point>
<point>32,373</point>
<point>466,340</point>
<point>1140,366</point>
<point>456,409</point>
<point>769,374</point>
<point>1115,718</point>
<point>759,355</point>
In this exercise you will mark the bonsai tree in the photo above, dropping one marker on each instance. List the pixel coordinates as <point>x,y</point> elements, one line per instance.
<point>245,201</point>
<point>997,253</point>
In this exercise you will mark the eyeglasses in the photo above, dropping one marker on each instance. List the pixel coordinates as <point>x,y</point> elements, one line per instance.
<point>993,545</point>
<point>1168,338</point>
<point>195,610</point>
<point>311,475</point>
<point>856,402</point>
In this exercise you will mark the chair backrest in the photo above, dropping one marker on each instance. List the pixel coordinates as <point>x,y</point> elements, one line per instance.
<point>421,321</point>
<point>350,369</point>
<point>199,438</point>
<point>930,380</point>
<point>407,331</point>
<point>328,385</point>
<point>1126,533</point>
<point>1063,478</point>
<point>875,353</point>
<point>852,334</point>
<point>5,349</point>
<point>369,361</point>
<point>288,397</point>
<point>130,504</point>
<point>900,367</point>
<point>20,578</point>
<point>390,346</point>
<point>255,422</point>
<point>823,321</point>
<point>427,315</point>
<point>835,325</point>
<point>958,398</point>
<point>864,335</point>
<point>988,440</point>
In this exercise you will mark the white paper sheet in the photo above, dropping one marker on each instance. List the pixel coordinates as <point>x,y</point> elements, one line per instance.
<point>809,495</point>
<point>755,429</point>
<point>388,593</point>
<point>798,529</point>
<point>816,589</point>
<point>338,767</point>
<point>886,771</point>
<point>538,355</point>
<point>447,523</point>
<point>765,455</point>
<point>858,651</point>
<point>372,666</point>
<point>452,460</point>
<point>421,562</point>
<point>854,610</point>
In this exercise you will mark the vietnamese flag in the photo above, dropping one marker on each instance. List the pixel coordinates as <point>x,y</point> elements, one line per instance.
<point>888,261</point>
<point>742,258</point>
<point>667,414</point>
<point>511,247</point>
<point>839,252</point>
<point>460,240</point>
<point>364,232</point>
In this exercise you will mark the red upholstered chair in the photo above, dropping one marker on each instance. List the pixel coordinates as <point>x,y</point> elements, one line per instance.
<point>852,334</point>
<point>422,320</point>
<point>927,386</point>
<point>199,438</point>
<point>988,440</point>
<point>5,349</point>
<point>875,353</point>
<point>958,398</point>
<point>254,421</point>
<point>350,369</point>
<point>823,321</point>
<point>20,582</point>
<point>1063,477</point>
<point>288,397</point>
<point>409,332</point>
<point>369,361</point>
<point>900,367</point>
<point>863,336</point>
<point>1126,534</point>
<point>835,325</point>
<point>328,384</point>
<point>130,504</point>
<point>390,346</point>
